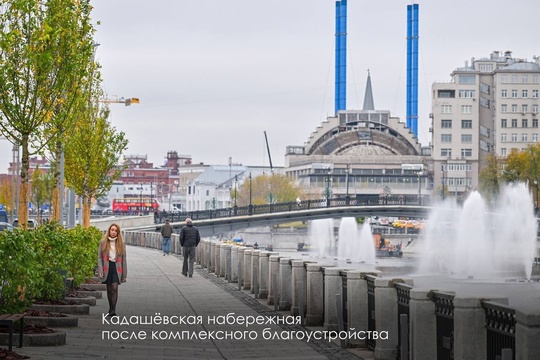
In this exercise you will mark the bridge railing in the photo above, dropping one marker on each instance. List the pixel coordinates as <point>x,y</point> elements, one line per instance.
<point>247,210</point>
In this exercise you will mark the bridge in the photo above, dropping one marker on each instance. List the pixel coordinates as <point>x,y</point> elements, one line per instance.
<point>210,222</point>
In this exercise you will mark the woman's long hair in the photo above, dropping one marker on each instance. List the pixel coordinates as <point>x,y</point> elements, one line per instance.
<point>119,241</point>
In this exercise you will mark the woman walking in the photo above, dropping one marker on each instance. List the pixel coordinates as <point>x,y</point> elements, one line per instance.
<point>112,264</point>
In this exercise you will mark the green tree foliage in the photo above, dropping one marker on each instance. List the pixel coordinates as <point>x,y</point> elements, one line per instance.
<point>45,47</point>
<point>277,187</point>
<point>94,149</point>
<point>489,178</point>
<point>524,166</point>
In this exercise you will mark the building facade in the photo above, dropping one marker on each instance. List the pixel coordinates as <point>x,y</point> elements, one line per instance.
<point>489,106</point>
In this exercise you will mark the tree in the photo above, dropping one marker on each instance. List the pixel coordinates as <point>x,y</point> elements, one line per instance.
<point>5,193</point>
<point>42,187</point>
<point>516,166</point>
<point>44,46</point>
<point>93,151</point>
<point>489,178</point>
<point>266,188</point>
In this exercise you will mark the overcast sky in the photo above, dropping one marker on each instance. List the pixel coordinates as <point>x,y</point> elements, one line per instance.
<point>213,75</point>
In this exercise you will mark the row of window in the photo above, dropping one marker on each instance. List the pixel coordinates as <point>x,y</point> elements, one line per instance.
<point>514,137</point>
<point>514,123</point>
<point>465,138</point>
<point>524,108</point>
<point>447,124</point>
<point>515,92</point>
<point>456,167</point>
<point>448,152</point>
<point>456,182</point>
<point>515,79</point>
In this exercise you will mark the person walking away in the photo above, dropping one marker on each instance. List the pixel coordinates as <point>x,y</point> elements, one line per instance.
<point>112,264</point>
<point>166,232</point>
<point>189,239</point>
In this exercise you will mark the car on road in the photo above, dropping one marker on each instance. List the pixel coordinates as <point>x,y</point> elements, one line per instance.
<point>32,223</point>
<point>6,226</point>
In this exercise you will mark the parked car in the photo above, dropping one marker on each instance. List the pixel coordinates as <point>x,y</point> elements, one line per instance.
<point>32,223</point>
<point>6,226</point>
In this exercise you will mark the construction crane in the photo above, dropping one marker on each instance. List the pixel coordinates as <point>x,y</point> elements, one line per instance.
<point>269,156</point>
<point>121,100</point>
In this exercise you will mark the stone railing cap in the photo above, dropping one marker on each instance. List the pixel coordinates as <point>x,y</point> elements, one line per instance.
<point>474,301</point>
<point>528,314</point>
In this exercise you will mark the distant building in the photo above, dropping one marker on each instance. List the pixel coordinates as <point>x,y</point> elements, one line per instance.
<point>360,152</point>
<point>490,106</point>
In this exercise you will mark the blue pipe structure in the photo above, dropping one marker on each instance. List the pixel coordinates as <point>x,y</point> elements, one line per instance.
<point>412,68</point>
<point>340,102</point>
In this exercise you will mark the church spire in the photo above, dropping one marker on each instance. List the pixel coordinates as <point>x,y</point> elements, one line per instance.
<point>368,97</point>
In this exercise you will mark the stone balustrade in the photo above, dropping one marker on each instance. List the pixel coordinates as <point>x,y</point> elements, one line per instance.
<point>268,275</point>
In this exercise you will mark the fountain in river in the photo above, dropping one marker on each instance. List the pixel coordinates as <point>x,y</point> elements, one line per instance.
<point>480,241</point>
<point>353,244</point>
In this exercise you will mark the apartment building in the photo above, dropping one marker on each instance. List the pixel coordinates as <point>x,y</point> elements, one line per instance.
<point>489,106</point>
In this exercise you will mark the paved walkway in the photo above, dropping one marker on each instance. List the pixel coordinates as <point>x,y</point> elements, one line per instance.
<point>155,285</point>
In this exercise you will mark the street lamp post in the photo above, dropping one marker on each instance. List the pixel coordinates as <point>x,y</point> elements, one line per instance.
<point>442,190</point>
<point>235,183</point>
<point>140,199</point>
<point>347,184</point>
<point>419,188</point>
<point>250,202</point>
<point>151,194</point>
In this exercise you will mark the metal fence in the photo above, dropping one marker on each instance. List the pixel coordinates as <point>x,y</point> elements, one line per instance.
<point>444,312</point>
<point>370,343</point>
<point>500,328</point>
<point>403,300</point>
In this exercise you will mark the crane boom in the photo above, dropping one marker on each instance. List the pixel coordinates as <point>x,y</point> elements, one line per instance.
<point>268,149</point>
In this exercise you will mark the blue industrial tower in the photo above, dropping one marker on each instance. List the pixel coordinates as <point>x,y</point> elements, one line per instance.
<point>340,102</point>
<point>412,68</point>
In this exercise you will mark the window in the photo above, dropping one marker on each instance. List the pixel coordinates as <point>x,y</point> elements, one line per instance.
<point>504,108</point>
<point>446,109</point>
<point>514,108</point>
<point>503,137</point>
<point>514,137</point>
<point>484,131</point>
<point>535,109</point>
<point>524,123</point>
<point>535,137</point>
<point>446,93</point>
<point>504,123</point>
<point>467,79</point>
<point>466,109</point>
<point>486,67</point>
<point>467,93</point>
<point>535,94</point>
<point>466,124</point>
<point>535,123</point>
<point>524,108</point>
<point>466,152</point>
<point>446,137</point>
<point>503,151</point>
<point>484,145</point>
<point>446,124</point>
<point>466,138</point>
<point>514,79</point>
<point>484,102</point>
<point>514,93</point>
<point>504,79</point>
<point>504,93</point>
<point>484,88</point>
<point>525,79</point>
<point>536,79</point>
<point>524,137</point>
<point>524,94</point>
<point>207,192</point>
<point>446,152</point>
<point>514,123</point>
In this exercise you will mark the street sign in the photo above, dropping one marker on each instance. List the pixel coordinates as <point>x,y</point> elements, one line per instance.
<point>414,167</point>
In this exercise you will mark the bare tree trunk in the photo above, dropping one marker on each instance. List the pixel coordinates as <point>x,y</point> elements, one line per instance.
<point>24,195</point>
<point>56,208</point>
<point>87,203</point>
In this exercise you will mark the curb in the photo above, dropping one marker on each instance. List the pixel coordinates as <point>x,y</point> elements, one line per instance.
<point>81,309</point>
<point>51,322</point>
<point>95,287</point>
<point>90,300</point>
<point>56,338</point>
<point>95,293</point>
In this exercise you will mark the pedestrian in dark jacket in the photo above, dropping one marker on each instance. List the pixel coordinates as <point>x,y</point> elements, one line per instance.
<point>189,239</point>
<point>166,232</point>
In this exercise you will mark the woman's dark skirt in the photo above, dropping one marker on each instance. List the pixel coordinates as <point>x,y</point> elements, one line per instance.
<point>112,276</point>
